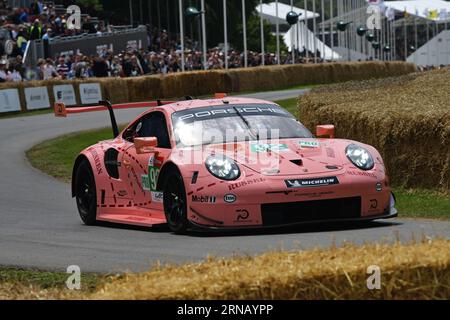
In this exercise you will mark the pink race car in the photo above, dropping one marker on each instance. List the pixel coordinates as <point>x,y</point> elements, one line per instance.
<point>225,163</point>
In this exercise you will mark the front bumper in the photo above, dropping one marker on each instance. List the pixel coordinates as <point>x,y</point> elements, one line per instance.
<point>392,213</point>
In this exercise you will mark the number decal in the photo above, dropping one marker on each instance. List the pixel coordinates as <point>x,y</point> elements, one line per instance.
<point>153,173</point>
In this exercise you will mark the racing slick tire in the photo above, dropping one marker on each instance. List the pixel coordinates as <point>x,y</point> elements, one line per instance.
<point>175,203</point>
<point>86,193</point>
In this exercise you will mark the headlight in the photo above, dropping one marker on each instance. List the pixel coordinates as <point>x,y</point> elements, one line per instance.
<point>222,167</point>
<point>360,157</point>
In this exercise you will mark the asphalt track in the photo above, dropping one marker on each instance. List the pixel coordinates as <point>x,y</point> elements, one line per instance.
<point>40,227</point>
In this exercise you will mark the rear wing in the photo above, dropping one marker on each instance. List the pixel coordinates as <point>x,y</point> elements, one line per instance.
<point>61,110</point>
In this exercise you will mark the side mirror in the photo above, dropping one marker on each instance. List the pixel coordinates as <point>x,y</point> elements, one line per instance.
<point>325,131</point>
<point>145,145</point>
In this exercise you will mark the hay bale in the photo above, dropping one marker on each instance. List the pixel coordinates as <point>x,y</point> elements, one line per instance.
<point>200,83</point>
<point>406,118</point>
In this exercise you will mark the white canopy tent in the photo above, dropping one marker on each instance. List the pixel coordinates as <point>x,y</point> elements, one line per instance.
<point>269,12</point>
<point>296,34</point>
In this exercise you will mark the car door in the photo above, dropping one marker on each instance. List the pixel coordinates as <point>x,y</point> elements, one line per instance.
<point>142,170</point>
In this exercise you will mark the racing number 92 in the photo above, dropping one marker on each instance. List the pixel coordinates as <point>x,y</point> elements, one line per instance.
<point>153,173</point>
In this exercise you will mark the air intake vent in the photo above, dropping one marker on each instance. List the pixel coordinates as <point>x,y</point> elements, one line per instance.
<point>298,162</point>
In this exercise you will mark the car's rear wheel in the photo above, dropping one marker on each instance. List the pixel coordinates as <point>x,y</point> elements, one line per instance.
<point>175,204</point>
<point>86,193</point>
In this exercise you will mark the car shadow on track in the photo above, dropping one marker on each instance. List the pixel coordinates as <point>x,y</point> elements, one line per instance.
<point>301,228</point>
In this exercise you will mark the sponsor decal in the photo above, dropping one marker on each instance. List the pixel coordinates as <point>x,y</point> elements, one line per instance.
<point>242,215</point>
<point>155,161</point>
<point>98,163</point>
<point>204,199</point>
<point>154,164</point>
<point>229,198</point>
<point>271,172</point>
<point>379,187</point>
<point>157,196</point>
<point>330,153</point>
<point>245,183</point>
<point>362,173</point>
<point>122,193</point>
<point>145,182</point>
<point>266,147</point>
<point>309,144</point>
<point>206,113</point>
<point>307,183</point>
<point>90,93</point>
<point>373,206</point>
<point>314,194</point>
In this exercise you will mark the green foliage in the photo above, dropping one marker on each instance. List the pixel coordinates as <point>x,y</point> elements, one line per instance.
<point>47,279</point>
<point>90,4</point>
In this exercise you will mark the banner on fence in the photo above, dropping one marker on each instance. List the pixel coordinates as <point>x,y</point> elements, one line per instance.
<point>37,98</point>
<point>65,94</point>
<point>90,93</point>
<point>9,100</point>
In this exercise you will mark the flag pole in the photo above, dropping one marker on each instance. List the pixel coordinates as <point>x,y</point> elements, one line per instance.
<point>225,33</point>
<point>293,35</point>
<point>322,5</point>
<point>261,21</point>
<point>416,42</point>
<point>180,4</point>
<point>314,32</point>
<point>331,29</point>
<point>244,29</point>
<point>405,35</point>
<point>306,30</point>
<point>205,59</point>
<point>130,3</point>
<point>277,31</point>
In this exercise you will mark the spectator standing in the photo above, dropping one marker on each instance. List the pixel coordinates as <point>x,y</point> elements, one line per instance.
<point>36,30</point>
<point>13,75</point>
<point>100,68</point>
<point>62,68</point>
<point>48,34</point>
<point>48,70</point>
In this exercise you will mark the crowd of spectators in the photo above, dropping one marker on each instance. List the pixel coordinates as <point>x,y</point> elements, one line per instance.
<point>42,21</point>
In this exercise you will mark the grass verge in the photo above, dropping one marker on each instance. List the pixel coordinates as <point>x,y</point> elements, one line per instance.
<point>56,156</point>
<point>413,271</point>
<point>35,284</point>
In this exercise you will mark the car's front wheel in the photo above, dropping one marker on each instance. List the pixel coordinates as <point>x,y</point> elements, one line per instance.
<point>175,204</point>
<point>86,193</point>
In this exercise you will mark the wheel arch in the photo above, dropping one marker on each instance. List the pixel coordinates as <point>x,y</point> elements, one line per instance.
<point>165,170</point>
<point>78,161</point>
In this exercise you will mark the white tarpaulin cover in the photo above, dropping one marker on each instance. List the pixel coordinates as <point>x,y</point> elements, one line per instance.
<point>269,14</point>
<point>435,52</point>
<point>300,42</point>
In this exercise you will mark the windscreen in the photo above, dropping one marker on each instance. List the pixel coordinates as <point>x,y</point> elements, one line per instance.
<point>232,123</point>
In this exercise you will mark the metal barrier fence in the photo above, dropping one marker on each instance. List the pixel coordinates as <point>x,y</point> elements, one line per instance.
<point>19,3</point>
<point>87,44</point>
